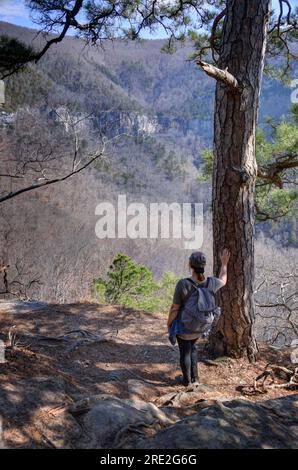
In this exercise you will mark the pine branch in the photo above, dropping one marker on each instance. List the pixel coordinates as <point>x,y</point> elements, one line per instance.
<point>272,172</point>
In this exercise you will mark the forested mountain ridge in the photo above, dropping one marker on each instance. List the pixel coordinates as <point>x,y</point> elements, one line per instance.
<point>141,87</point>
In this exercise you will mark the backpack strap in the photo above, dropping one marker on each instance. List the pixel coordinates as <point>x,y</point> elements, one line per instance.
<point>195,285</point>
<point>191,292</point>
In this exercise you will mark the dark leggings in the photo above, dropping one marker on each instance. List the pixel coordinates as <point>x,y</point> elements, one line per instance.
<point>188,359</point>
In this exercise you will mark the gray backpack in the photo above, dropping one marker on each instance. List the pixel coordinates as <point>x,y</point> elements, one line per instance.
<point>199,310</point>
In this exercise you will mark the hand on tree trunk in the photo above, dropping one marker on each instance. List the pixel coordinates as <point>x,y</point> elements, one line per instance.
<point>225,256</point>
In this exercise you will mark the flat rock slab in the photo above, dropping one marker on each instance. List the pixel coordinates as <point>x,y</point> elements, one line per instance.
<point>236,424</point>
<point>20,306</point>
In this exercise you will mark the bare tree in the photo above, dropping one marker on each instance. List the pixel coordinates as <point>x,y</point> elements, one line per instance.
<point>21,283</point>
<point>277,307</point>
<point>33,156</point>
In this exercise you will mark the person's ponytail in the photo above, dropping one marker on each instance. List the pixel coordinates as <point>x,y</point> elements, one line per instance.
<point>199,272</point>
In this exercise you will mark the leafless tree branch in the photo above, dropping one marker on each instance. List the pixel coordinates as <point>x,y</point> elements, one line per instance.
<point>51,181</point>
<point>220,75</point>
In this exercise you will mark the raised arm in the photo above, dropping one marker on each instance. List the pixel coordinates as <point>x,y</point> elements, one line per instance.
<point>224,258</point>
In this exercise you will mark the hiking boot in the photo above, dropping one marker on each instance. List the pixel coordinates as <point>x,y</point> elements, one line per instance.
<point>182,381</point>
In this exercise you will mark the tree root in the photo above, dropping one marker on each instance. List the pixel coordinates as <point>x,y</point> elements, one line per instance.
<point>275,372</point>
<point>77,338</point>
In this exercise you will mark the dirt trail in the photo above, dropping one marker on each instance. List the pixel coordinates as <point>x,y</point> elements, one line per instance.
<point>39,372</point>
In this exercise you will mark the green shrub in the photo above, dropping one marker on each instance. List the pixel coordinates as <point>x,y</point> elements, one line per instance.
<point>132,285</point>
<point>126,281</point>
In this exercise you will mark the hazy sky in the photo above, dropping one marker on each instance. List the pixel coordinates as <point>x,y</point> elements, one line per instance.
<point>14,11</point>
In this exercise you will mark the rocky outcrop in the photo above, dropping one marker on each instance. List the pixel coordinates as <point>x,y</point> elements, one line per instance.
<point>138,123</point>
<point>109,422</point>
<point>236,424</point>
<point>133,123</point>
<point>109,122</point>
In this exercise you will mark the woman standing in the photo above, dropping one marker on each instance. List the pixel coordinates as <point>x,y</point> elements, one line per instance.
<point>184,289</point>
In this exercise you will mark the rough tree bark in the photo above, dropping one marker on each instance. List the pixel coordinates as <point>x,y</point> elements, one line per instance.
<point>235,170</point>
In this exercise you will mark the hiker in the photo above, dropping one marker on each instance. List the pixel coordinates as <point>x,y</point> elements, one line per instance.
<point>194,311</point>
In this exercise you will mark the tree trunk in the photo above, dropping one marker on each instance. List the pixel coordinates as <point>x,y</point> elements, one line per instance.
<point>234,172</point>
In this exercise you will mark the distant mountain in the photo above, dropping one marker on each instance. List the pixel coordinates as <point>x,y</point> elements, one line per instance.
<point>131,83</point>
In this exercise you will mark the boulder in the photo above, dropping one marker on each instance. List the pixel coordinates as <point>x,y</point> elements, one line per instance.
<point>111,422</point>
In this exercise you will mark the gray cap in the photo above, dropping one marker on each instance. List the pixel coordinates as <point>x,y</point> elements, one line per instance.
<point>197,259</point>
